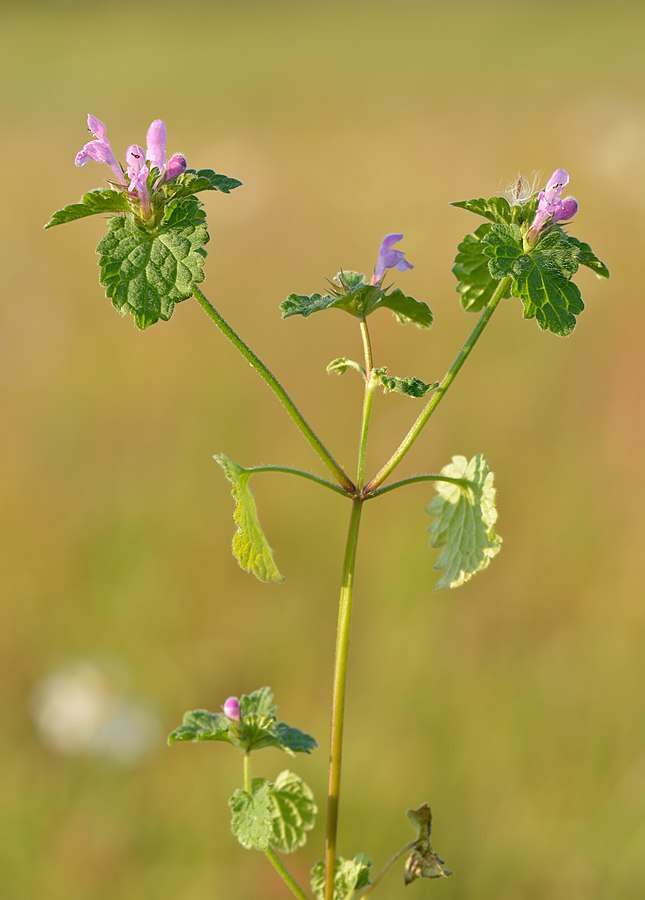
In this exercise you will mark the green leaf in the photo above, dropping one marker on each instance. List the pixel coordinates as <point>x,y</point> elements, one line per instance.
<point>292,740</point>
<point>304,305</point>
<point>252,815</point>
<point>192,181</point>
<point>407,309</point>
<point>586,257</point>
<point>351,875</point>
<point>258,703</point>
<point>423,862</point>
<point>201,725</point>
<point>465,517</point>
<point>340,365</point>
<point>147,272</point>
<point>293,810</point>
<point>410,386</point>
<point>250,547</point>
<point>94,203</point>
<point>541,278</point>
<point>497,209</point>
<point>476,284</point>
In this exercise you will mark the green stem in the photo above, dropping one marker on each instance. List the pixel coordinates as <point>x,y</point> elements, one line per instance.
<point>338,702</point>
<point>284,398</point>
<point>399,853</point>
<point>415,479</point>
<point>301,474</point>
<point>371,384</point>
<point>270,854</point>
<point>284,873</point>
<point>438,395</point>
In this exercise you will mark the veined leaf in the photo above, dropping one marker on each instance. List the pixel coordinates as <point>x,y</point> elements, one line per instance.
<point>201,725</point>
<point>94,203</point>
<point>588,258</point>
<point>497,209</point>
<point>250,546</point>
<point>476,284</point>
<point>293,810</point>
<point>407,309</point>
<point>351,875</point>
<point>410,386</point>
<point>147,272</point>
<point>252,815</point>
<point>340,365</point>
<point>465,517</point>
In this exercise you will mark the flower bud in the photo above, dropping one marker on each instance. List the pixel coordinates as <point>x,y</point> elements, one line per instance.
<point>176,166</point>
<point>232,709</point>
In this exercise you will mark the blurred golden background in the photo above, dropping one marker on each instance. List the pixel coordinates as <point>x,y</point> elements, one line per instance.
<point>513,705</point>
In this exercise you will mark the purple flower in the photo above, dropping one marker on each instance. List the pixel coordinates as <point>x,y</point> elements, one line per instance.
<point>232,709</point>
<point>176,166</point>
<point>552,207</point>
<point>99,149</point>
<point>156,144</point>
<point>138,175</point>
<point>389,258</point>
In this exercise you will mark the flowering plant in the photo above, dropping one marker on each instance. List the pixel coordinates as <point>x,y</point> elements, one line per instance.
<point>152,258</point>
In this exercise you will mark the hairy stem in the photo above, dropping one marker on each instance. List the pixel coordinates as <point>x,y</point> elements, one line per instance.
<point>284,398</point>
<point>386,868</point>
<point>438,395</point>
<point>301,474</point>
<point>338,701</point>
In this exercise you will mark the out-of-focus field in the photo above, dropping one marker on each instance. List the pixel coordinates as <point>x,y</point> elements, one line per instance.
<point>513,705</point>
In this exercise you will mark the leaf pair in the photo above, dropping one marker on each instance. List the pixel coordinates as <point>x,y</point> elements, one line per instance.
<point>541,275</point>
<point>277,814</point>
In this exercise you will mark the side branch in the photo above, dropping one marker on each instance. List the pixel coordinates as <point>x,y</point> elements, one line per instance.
<point>292,410</point>
<point>415,479</point>
<point>437,397</point>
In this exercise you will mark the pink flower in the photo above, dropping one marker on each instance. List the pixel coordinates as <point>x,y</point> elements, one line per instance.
<point>552,207</point>
<point>389,258</point>
<point>99,149</point>
<point>232,709</point>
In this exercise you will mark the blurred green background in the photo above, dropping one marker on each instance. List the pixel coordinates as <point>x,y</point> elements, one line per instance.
<point>513,705</point>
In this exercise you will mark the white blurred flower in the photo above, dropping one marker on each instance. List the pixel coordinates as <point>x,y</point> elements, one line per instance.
<point>81,710</point>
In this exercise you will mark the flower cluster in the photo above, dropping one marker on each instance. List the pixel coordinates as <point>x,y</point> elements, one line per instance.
<point>140,164</point>
<point>552,207</point>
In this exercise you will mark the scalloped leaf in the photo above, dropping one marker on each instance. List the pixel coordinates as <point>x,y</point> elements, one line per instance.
<point>93,203</point>
<point>407,309</point>
<point>293,810</point>
<point>586,257</point>
<point>201,725</point>
<point>497,209</point>
<point>475,282</point>
<point>351,875</point>
<point>410,386</point>
<point>340,365</point>
<point>250,546</point>
<point>192,181</point>
<point>146,273</point>
<point>465,517</point>
<point>252,815</point>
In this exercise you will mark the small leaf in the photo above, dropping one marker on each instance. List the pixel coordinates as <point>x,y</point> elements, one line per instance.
<point>503,246</point>
<point>193,181</point>
<point>250,546</point>
<point>293,810</point>
<point>423,862</point>
<point>407,309</point>
<point>410,386</point>
<point>201,725</point>
<point>476,284</point>
<point>351,875</point>
<point>252,815</point>
<point>340,365</point>
<point>94,203</point>
<point>588,258</point>
<point>258,703</point>
<point>465,521</point>
<point>147,272</point>
<point>304,305</point>
<point>292,740</point>
<point>497,209</point>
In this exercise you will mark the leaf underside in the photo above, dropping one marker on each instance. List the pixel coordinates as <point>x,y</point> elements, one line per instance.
<point>351,875</point>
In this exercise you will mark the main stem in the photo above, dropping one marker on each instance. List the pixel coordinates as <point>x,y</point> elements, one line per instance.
<point>303,426</point>
<point>438,395</point>
<point>338,702</point>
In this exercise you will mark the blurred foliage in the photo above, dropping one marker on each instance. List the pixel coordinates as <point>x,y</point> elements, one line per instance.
<point>516,700</point>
